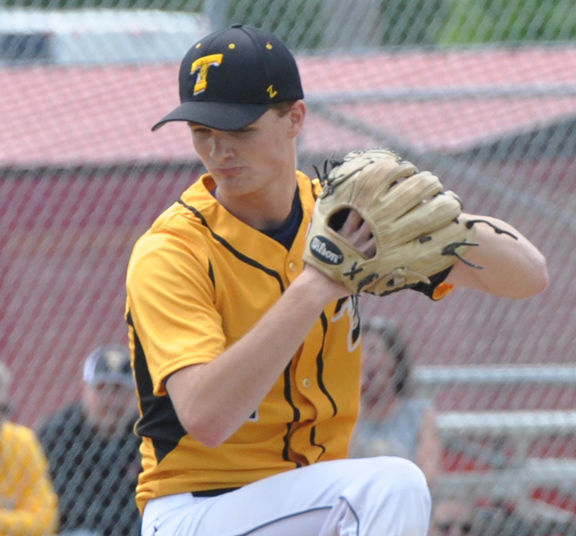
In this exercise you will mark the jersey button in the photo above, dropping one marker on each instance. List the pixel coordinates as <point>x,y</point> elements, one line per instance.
<point>292,266</point>
<point>306,383</point>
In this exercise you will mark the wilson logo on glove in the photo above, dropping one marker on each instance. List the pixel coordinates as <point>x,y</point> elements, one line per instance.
<point>325,250</point>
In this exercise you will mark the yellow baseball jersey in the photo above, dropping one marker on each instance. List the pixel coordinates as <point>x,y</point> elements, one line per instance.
<point>28,504</point>
<point>197,281</point>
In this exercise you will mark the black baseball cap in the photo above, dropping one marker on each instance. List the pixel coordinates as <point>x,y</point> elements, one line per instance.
<point>231,77</point>
<point>109,364</point>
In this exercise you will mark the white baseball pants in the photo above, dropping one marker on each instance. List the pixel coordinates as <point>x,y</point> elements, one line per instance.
<point>380,496</point>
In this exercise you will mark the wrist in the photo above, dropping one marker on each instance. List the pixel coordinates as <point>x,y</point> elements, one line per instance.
<point>317,288</point>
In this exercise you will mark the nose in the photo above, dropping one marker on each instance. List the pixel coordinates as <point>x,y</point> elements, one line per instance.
<point>220,148</point>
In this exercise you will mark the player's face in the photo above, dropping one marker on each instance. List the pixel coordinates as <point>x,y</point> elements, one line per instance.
<point>250,160</point>
<point>451,518</point>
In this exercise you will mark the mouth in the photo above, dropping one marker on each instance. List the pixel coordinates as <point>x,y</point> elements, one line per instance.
<point>228,172</point>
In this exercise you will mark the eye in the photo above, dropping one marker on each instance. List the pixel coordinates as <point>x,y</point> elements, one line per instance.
<point>198,129</point>
<point>242,133</point>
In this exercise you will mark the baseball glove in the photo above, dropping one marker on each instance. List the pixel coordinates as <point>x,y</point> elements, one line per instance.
<point>417,226</point>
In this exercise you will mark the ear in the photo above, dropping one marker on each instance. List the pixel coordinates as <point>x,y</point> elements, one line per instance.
<point>296,115</point>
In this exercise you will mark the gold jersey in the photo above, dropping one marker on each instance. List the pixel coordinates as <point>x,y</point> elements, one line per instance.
<point>197,281</point>
<point>28,503</point>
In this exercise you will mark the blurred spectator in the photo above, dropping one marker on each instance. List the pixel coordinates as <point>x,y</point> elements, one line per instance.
<point>93,451</point>
<point>458,515</point>
<point>499,519</point>
<point>551,527</point>
<point>392,421</point>
<point>28,504</point>
<point>451,516</point>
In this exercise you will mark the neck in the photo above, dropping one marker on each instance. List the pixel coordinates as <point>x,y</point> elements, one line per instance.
<point>265,209</point>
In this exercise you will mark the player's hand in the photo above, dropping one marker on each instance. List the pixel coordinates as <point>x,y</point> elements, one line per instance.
<point>358,233</point>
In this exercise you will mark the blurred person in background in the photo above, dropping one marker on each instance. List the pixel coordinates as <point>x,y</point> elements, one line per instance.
<point>499,518</point>
<point>28,504</point>
<point>392,421</point>
<point>93,451</point>
<point>452,516</point>
<point>457,514</point>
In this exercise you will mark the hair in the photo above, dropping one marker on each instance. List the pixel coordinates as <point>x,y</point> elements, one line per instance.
<point>282,108</point>
<point>5,380</point>
<point>398,349</point>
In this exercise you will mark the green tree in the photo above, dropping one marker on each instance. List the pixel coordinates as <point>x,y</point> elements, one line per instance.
<point>508,21</point>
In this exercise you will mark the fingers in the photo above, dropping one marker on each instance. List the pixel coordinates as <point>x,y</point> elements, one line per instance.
<point>356,231</point>
<point>352,223</point>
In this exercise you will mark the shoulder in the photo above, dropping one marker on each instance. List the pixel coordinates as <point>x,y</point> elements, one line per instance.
<point>25,439</point>
<point>309,190</point>
<point>182,227</point>
<point>15,432</point>
<point>171,245</point>
<point>184,215</point>
<point>309,186</point>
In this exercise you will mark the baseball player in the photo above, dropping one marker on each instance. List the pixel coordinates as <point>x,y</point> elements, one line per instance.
<point>247,359</point>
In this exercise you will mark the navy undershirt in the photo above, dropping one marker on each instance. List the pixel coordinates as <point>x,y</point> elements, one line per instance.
<point>286,233</point>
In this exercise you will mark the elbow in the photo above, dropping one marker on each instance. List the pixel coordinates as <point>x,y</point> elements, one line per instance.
<point>544,279</point>
<point>541,277</point>
<point>535,282</point>
<point>210,432</point>
<point>201,417</point>
<point>210,438</point>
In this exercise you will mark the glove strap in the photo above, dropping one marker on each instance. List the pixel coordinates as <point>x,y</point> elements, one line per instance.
<point>496,229</point>
<point>452,249</point>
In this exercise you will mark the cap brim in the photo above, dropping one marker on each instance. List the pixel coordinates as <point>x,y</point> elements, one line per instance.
<point>217,115</point>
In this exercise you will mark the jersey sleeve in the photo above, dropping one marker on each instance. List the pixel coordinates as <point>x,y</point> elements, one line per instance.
<point>170,299</point>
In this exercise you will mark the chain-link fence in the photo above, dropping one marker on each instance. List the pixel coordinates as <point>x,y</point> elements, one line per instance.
<point>482,92</point>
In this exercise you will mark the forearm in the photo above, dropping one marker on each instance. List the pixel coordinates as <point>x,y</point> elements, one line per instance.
<point>512,267</point>
<point>213,400</point>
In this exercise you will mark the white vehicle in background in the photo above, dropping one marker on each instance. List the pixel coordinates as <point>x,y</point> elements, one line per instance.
<point>96,36</point>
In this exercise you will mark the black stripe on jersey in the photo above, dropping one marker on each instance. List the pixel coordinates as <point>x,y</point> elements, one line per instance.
<point>320,365</point>
<point>159,421</point>
<point>211,273</point>
<point>320,370</point>
<point>313,442</point>
<point>296,417</point>
<point>230,248</point>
